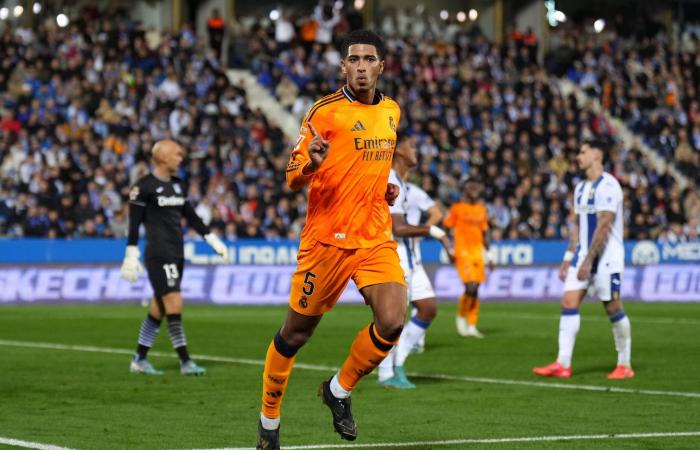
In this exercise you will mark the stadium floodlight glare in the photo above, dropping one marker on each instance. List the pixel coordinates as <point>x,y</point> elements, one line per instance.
<point>4,12</point>
<point>274,15</point>
<point>359,4</point>
<point>559,16</point>
<point>444,15</point>
<point>36,7</point>
<point>18,10</point>
<point>473,14</point>
<point>599,25</point>
<point>62,20</point>
<point>461,16</point>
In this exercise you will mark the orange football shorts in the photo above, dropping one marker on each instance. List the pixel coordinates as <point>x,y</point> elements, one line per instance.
<point>323,272</point>
<point>471,269</point>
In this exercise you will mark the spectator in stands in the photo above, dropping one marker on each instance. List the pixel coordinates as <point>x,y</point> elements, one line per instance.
<point>215,28</point>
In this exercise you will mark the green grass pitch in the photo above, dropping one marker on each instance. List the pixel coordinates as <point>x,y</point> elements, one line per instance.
<point>88,400</point>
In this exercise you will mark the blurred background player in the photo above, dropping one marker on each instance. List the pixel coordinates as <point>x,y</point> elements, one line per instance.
<point>158,200</point>
<point>595,259</point>
<point>469,219</point>
<point>406,214</point>
<point>344,153</point>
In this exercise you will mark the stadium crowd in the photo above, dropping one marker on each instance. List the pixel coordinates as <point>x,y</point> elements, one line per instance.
<point>81,106</point>
<point>478,108</point>
<point>650,83</point>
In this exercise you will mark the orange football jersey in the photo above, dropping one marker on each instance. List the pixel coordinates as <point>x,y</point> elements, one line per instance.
<point>469,221</point>
<point>347,206</point>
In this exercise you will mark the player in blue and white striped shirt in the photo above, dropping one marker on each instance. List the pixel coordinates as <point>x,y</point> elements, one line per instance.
<point>595,260</point>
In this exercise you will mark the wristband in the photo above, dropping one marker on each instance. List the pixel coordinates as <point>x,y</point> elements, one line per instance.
<point>568,256</point>
<point>437,232</point>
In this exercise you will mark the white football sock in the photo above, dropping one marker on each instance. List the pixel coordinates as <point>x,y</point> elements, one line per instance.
<point>386,367</point>
<point>337,390</point>
<point>411,334</point>
<point>269,424</point>
<point>622,332</point>
<point>569,324</point>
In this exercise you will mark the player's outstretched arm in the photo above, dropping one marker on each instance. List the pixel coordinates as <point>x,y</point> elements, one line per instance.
<point>600,238</point>
<point>131,266</point>
<point>196,222</point>
<point>401,229</point>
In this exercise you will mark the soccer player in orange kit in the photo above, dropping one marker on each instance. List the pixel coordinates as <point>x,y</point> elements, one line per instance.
<point>344,154</point>
<point>469,219</point>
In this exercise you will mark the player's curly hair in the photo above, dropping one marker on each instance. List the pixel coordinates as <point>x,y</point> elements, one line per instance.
<point>368,37</point>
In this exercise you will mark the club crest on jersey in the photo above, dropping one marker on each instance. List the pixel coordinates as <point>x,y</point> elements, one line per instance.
<point>159,189</point>
<point>176,188</point>
<point>392,125</point>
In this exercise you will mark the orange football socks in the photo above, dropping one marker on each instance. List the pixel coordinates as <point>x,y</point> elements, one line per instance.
<point>463,305</point>
<point>367,351</point>
<point>278,366</point>
<point>473,311</point>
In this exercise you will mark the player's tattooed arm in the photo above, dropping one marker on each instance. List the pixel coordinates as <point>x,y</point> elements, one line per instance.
<point>600,238</point>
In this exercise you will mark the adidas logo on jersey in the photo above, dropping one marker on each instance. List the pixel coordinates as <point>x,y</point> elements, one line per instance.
<point>358,127</point>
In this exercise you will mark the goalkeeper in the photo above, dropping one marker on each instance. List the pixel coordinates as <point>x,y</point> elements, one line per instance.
<point>158,200</point>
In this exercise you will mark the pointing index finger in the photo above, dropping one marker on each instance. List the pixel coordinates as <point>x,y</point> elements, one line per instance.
<point>314,133</point>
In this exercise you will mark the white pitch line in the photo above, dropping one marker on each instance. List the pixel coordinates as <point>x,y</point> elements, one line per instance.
<point>27,444</point>
<point>321,368</point>
<point>486,441</point>
<point>657,321</point>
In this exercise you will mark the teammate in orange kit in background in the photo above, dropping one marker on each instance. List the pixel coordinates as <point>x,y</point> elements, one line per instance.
<point>344,154</point>
<point>469,219</point>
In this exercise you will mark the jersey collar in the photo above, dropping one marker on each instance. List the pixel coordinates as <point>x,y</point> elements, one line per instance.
<point>378,96</point>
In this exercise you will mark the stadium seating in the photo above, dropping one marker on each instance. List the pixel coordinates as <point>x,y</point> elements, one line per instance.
<point>81,107</point>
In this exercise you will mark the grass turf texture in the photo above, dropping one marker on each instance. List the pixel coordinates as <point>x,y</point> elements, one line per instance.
<point>89,400</point>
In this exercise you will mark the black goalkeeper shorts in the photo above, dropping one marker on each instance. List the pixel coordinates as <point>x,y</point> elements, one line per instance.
<point>165,275</point>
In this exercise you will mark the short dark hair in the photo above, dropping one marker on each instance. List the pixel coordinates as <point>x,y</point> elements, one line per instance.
<point>368,37</point>
<point>473,179</point>
<point>603,145</point>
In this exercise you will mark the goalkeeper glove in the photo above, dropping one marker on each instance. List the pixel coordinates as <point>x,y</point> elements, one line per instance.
<point>131,267</point>
<point>217,244</point>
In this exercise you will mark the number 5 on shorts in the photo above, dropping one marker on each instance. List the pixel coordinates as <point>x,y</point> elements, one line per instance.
<point>309,286</point>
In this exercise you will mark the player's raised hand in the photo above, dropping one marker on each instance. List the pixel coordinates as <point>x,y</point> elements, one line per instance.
<point>318,148</point>
<point>392,192</point>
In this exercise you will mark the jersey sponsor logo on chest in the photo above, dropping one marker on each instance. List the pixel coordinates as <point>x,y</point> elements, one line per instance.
<point>170,201</point>
<point>375,148</point>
